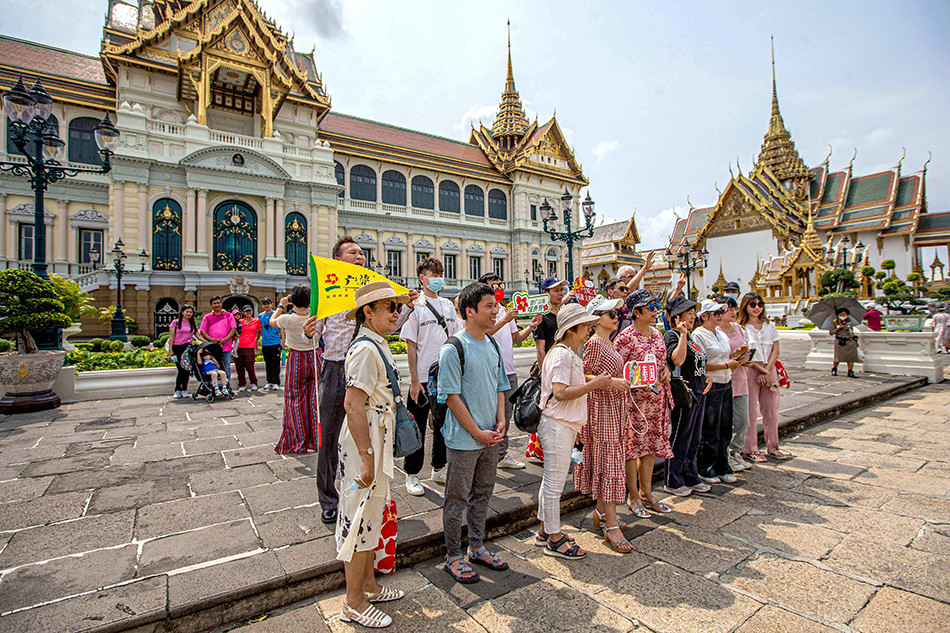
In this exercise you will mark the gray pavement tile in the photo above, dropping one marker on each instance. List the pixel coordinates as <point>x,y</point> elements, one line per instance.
<point>301,559</point>
<point>46,509</point>
<point>183,466</point>
<point>549,605</point>
<point>419,525</point>
<point>210,445</point>
<point>23,489</point>
<point>303,618</point>
<point>116,608</point>
<point>905,482</point>
<point>895,610</point>
<point>771,619</point>
<point>259,438</point>
<point>131,496</point>
<point>704,511</point>
<point>914,505</point>
<point>230,479</point>
<point>794,538</point>
<point>166,437</point>
<point>187,514</point>
<point>142,454</point>
<point>800,587</point>
<point>281,495</point>
<point>27,454</point>
<point>35,584</point>
<point>666,598</point>
<point>70,537</point>
<point>831,492</point>
<point>90,460</point>
<point>933,538</point>
<point>692,548</point>
<point>286,527</point>
<point>226,581</point>
<point>765,499</point>
<point>291,467</point>
<point>222,430</point>
<point>884,526</point>
<point>245,456</point>
<point>79,448</point>
<point>92,479</point>
<point>10,471</point>
<point>197,546</point>
<point>492,584</point>
<point>212,412</point>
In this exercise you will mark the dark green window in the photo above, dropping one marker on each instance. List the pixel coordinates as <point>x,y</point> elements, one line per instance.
<point>474,201</point>
<point>363,183</point>
<point>449,197</point>
<point>340,176</point>
<point>423,193</point>
<point>295,243</point>
<point>82,141</point>
<point>166,235</point>
<point>497,204</point>
<point>394,188</point>
<point>235,237</point>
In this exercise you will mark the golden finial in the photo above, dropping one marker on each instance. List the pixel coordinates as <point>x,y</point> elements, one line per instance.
<point>687,202</point>
<point>738,167</point>
<point>929,157</point>
<point>731,175</point>
<point>903,154</point>
<point>716,184</point>
<point>851,164</point>
<point>775,111</point>
<point>828,157</point>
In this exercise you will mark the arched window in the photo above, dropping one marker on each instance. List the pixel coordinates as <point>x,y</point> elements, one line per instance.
<point>474,201</point>
<point>295,243</point>
<point>82,141</point>
<point>340,176</point>
<point>423,193</point>
<point>30,148</point>
<point>363,183</point>
<point>235,237</point>
<point>166,235</point>
<point>497,204</point>
<point>449,199</point>
<point>394,188</point>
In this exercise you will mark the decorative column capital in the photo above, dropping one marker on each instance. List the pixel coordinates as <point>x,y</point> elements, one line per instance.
<point>143,187</point>
<point>202,193</point>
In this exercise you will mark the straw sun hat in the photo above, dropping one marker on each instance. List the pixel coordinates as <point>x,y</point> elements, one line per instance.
<point>570,315</point>
<point>373,292</point>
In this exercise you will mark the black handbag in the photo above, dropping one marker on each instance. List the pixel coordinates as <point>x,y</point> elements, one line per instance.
<point>527,408</point>
<point>683,396</point>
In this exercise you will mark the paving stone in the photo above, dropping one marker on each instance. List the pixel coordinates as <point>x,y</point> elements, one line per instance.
<point>259,438</point>
<point>300,559</point>
<point>69,537</point>
<point>795,538</point>
<point>692,548</point>
<point>46,509</point>
<point>214,584</point>
<point>81,448</point>
<point>114,608</point>
<point>769,500</point>
<point>91,460</point>
<point>231,479</point>
<point>305,618</point>
<point>295,525</point>
<point>704,511</point>
<point>102,478</point>
<point>521,573</point>
<point>294,467</point>
<point>35,584</point>
<point>142,454</point>
<point>174,469</point>
<point>26,455</point>
<point>245,456</point>
<point>666,598</point>
<point>901,567</point>
<point>197,546</point>
<point>899,480</point>
<point>22,489</point>
<point>881,526</point>
<point>168,437</point>
<point>864,445</point>
<point>281,495</point>
<point>895,610</point>
<point>549,605</point>
<point>800,587</point>
<point>187,514</point>
<point>927,508</point>
<point>832,469</point>
<point>771,619</point>
<point>136,495</point>
<point>900,461</point>
<point>221,430</point>
<point>844,493</point>
<point>210,445</point>
<point>933,539</point>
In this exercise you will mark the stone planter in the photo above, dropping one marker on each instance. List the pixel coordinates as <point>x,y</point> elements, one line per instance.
<point>896,353</point>
<point>909,322</point>
<point>28,380</point>
<point>72,330</point>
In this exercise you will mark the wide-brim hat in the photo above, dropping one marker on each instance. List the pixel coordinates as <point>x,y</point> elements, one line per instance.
<point>600,303</point>
<point>570,315</point>
<point>376,291</point>
<point>678,305</point>
<point>709,305</point>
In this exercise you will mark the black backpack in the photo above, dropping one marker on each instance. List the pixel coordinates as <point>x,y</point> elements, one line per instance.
<point>439,409</point>
<point>526,399</point>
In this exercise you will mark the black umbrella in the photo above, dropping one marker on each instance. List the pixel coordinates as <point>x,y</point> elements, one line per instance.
<point>825,310</point>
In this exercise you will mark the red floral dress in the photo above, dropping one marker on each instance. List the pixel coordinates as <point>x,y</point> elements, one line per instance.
<point>601,473</point>
<point>650,436</point>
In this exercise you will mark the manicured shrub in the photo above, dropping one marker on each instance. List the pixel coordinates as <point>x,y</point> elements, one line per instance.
<point>6,345</point>
<point>140,341</point>
<point>96,344</point>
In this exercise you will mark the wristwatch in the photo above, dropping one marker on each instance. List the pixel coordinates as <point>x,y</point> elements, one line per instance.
<point>368,451</point>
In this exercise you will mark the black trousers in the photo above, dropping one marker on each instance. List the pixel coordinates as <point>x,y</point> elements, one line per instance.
<point>685,430</point>
<point>420,412</point>
<point>332,413</point>
<point>181,380</point>
<point>272,363</point>
<point>713,458</point>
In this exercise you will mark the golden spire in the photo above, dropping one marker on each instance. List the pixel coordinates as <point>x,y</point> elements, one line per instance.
<point>810,236</point>
<point>511,122</point>
<point>778,150</point>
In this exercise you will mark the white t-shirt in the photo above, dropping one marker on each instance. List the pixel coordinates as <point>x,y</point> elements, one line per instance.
<point>716,346</point>
<point>762,340</point>
<point>563,366</point>
<point>507,346</point>
<point>423,328</point>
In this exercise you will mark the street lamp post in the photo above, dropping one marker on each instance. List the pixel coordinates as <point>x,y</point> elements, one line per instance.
<point>144,257</point>
<point>30,123</point>
<point>567,235</point>
<point>687,259</point>
<point>118,318</point>
<point>535,275</point>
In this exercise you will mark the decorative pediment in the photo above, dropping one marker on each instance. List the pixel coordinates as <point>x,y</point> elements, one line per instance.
<point>24,213</point>
<point>476,249</point>
<point>553,253</point>
<point>89,217</point>
<point>450,246</point>
<point>395,240</point>
<point>238,160</point>
<point>423,243</point>
<point>365,239</point>
<point>499,250</point>
<point>536,253</point>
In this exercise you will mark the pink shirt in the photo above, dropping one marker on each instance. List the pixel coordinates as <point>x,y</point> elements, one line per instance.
<point>183,333</point>
<point>217,326</point>
<point>740,381</point>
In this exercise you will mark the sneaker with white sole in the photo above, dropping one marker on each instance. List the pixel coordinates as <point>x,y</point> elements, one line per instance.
<point>701,487</point>
<point>253,387</point>
<point>240,389</point>
<point>509,462</point>
<point>682,491</point>
<point>438,475</point>
<point>413,486</point>
<point>728,478</point>
<point>711,480</point>
<point>736,463</point>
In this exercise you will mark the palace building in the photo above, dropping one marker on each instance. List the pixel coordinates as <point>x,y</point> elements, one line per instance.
<point>232,167</point>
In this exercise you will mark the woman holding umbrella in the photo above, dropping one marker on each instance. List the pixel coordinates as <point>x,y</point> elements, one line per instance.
<point>846,343</point>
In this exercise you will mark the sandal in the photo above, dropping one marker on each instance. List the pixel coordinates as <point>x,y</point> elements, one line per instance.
<point>478,558</point>
<point>571,553</point>
<point>542,539</point>
<point>462,569</point>
<point>599,518</point>
<point>662,508</point>
<point>371,617</point>
<point>777,454</point>
<point>386,595</point>
<point>754,457</point>
<point>617,547</point>
<point>641,512</point>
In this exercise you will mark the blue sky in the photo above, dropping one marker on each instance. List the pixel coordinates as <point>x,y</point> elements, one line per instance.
<point>657,99</point>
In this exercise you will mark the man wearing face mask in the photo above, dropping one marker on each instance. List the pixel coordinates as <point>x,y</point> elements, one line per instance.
<point>731,289</point>
<point>425,331</point>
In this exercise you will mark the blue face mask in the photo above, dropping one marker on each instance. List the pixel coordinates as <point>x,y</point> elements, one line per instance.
<point>732,295</point>
<point>436,284</point>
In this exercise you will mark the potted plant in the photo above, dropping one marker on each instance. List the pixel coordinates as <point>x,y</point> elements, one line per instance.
<point>28,302</point>
<point>76,305</point>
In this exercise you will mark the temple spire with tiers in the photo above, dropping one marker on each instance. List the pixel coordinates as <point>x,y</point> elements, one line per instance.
<point>510,123</point>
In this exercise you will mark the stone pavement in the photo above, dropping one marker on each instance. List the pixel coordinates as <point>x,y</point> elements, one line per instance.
<point>853,534</point>
<point>123,513</point>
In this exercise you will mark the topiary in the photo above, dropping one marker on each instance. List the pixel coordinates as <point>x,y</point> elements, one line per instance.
<point>28,302</point>
<point>76,303</point>
<point>5,345</point>
<point>96,344</point>
<point>140,341</point>
<point>118,346</point>
<point>164,337</point>
<point>158,344</point>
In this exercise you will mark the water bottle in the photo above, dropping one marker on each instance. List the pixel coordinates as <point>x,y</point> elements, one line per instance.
<point>577,456</point>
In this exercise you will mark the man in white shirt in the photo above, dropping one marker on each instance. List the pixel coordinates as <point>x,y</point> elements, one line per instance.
<point>425,331</point>
<point>507,335</point>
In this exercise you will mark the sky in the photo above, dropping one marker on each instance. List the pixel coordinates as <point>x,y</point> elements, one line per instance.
<point>657,99</point>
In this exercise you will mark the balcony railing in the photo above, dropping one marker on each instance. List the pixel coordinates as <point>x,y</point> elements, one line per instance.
<point>161,127</point>
<point>240,140</point>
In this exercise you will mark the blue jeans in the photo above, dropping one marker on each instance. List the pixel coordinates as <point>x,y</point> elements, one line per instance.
<point>686,426</point>
<point>226,361</point>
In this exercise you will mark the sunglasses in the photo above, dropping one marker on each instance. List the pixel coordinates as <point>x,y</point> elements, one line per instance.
<point>611,313</point>
<point>756,304</point>
<point>498,285</point>
<point>653,305</point>
<point>394,307</point>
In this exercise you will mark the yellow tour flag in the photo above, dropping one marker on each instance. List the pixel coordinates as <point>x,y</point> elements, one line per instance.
<point>333,284</point>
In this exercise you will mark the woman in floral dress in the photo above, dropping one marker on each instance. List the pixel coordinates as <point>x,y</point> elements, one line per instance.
<point>600,473</point>
<point>648,412</point>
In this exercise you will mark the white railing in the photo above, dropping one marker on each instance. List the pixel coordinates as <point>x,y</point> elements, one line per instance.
<point>496,222</point>
<point>161,127</point>
<point>362,204</point>
<point>236,139</point>
<point>393,208</point>
<point>292,150</point>
<point>429,213</point>
<point>89,281</point>
<point>478,219</point>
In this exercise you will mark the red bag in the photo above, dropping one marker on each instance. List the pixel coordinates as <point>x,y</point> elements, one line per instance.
<point>385,553</point>
<point>783,379</point>
<point>534,450</point>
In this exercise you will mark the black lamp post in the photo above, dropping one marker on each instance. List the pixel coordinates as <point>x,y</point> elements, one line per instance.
<point>549,215</point>
<point>118,318</point>
<point>144,257</point>
<point>687,259</point>
<point>31,128</point>
<point>535,276</point>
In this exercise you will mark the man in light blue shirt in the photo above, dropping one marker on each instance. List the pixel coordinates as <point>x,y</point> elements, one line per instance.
<point>270,341</point>
<point>474,425</point>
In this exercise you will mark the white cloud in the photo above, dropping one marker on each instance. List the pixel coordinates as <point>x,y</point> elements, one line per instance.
<point>604,149</point>
<point>655,229</point>
<point>879,135</point>
<point>484,113</point>
<point>568,135</point>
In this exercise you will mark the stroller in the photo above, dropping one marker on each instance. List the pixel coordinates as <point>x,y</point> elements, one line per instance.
<point>205,385</point>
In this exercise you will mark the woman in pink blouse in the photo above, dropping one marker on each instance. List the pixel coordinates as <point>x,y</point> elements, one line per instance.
<point>181,332</point>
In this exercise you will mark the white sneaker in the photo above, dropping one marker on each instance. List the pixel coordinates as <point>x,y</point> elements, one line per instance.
<point>253,387</point>
<point>177,395</point>
<point>240,389</point>
<point>737,464</point>
<point>728,478</point>
<point>701,487</point>
<point>438,476</point>
<point>413,486</point>
<point>711,480</point>
<point>509,462</point>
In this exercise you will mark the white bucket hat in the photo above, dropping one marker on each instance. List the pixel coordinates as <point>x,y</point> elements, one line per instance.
<point>570,315</point>
<point>600,303</point>
<point>373,292</point>
<point>708,305</point>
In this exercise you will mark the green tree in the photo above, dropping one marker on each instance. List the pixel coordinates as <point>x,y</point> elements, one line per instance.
<point>838,280</point>
<point>868,271</point>
<point>899,296</point>
<point>28,302</point>
<point>889,265</point>
<point>915,279</point>
<point>880,275</point>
